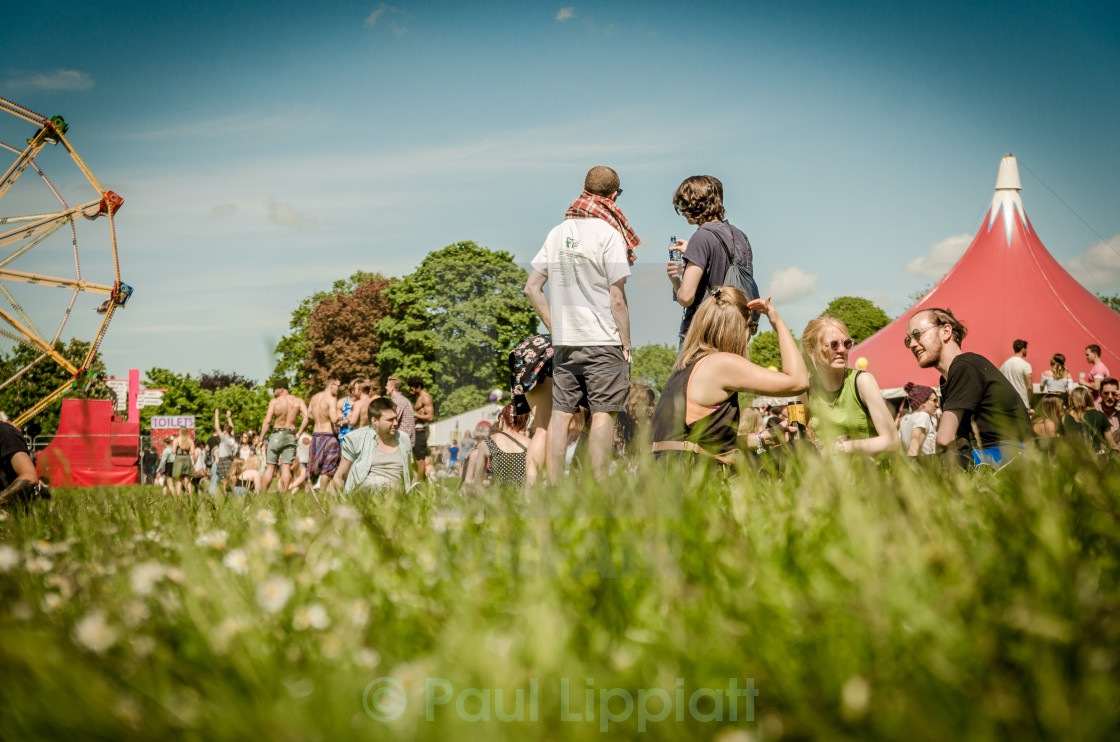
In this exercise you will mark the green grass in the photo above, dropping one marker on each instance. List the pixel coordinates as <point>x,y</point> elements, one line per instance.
<point>864,602</point>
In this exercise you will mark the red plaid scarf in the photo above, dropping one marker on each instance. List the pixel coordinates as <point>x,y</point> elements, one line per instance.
<point>590,206</point>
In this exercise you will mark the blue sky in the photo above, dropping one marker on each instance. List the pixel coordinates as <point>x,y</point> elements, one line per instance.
<point>264,150</point>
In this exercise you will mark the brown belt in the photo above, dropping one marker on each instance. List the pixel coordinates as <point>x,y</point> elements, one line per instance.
<point>723,458</point>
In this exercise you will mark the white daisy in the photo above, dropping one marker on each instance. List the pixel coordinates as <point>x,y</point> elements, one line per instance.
<point>264,515</point>
<point>143,646</point>
<point>238,561</point>
<point>9,557</point>
<point>50,602</point>
<point>312,616</point>
<point>269,540</point>
<point>38,565</point>
<point>3,515</point>
<point>305,525</point>
<point>94,633</point>
<point>216,540</point>
<point>273,593</point>
<point>359,613</point>
<point>345,512</point>
<point>367,658</point>
<point>145,576</point>
<point>134,613</point>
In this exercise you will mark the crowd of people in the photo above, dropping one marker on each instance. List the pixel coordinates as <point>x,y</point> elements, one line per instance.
<point>574,406</point>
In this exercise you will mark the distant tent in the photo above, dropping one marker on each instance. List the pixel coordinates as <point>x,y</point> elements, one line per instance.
<point>1006,286</point>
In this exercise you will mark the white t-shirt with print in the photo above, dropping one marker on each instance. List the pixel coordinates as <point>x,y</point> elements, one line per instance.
<point>582,258</point>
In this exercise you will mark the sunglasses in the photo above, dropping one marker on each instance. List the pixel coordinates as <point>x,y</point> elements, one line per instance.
<point>618,192</point>
<point>835,345</point>
<point>915,335</point>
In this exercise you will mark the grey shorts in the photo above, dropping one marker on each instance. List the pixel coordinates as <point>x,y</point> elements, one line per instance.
<point>596,376</point>
<point>281,447</point>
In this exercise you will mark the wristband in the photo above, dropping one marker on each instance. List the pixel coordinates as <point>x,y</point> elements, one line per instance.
<point>838,446</point>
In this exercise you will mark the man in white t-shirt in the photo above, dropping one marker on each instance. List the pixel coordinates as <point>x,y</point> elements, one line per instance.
<point>586,261</point>
<point>1018,371</point>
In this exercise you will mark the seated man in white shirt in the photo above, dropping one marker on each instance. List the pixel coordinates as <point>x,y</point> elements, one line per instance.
<point>378,456</point>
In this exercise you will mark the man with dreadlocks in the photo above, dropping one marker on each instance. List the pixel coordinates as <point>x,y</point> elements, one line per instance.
<point>588,258</point>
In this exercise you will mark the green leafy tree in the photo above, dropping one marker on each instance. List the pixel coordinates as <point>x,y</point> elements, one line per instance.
<point>42,379</point>
<point>463,399</point>
<point>652,365</point>
<point>918,295</point>
<point>186,396</point>
<point>1112,301</point>
<point>764,350</point>
<point>293,349</point>
<point>454,320</point>
<point>861,316</point>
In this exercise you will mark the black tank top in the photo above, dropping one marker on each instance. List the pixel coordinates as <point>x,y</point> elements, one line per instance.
<point>716,432</point>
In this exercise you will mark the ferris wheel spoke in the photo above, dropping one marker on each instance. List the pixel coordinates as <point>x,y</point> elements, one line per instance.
<point>63,283</point>
<point>39,342</point>
<point>26,368</point>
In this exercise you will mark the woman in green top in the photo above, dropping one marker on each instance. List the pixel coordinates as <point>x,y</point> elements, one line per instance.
<point>846,410</point>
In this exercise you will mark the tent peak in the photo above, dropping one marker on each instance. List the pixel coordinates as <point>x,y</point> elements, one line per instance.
<point>1008,177</point>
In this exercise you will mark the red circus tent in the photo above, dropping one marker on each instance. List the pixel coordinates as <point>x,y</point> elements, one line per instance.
<point>1006,286</point>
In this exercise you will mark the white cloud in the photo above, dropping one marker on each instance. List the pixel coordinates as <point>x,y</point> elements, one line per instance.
<point>1098,267</point>
<point>565,13</point>
<point>286,215</point>
<point>57,80</point>
<point>375,16</point>
<point>380,12</point>
<point>940,258</point>
<point>791,284</point>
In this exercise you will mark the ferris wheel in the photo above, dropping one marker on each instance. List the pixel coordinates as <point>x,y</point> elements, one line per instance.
<point>40,224</point>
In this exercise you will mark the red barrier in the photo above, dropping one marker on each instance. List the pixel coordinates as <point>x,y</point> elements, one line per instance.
<point>92,447</point>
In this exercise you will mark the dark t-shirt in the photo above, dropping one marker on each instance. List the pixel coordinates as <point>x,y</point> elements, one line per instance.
<point>704,251</point>
<point>1091,429</point>
<point>981,394</point>
<point>11,443</point>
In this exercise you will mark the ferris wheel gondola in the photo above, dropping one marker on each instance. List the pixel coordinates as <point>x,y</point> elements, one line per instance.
<point>31,231</point>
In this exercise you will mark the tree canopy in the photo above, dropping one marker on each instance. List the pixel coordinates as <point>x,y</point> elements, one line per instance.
<point>341,335</point>
<point>861,316</point>
<point>294,349</point>
<point>653,365</point>
<point>453,321</point>
<point>44,378</point>
<point>185,395</point>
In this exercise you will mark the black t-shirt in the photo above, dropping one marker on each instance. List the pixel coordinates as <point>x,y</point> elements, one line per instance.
<point>11,443</point>
<point>981,394</point>
<point>704,251</point>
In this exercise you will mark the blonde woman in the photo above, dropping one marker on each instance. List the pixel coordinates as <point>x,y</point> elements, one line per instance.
<point>1084,421</point>
<point>1057,379</point>
<point>847,413</point>
<point>1047,422</point>
<point>698,415</point>
<point>183,465</point>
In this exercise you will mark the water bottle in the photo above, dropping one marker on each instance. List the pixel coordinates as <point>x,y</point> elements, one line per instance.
<point>676,256</point>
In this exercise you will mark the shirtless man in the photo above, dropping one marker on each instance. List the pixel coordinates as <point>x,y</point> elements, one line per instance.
<point>361,406</point>
<point>325,418</point>
<point>348,417</point>
<point>425,413</point>
<point>284,408</point>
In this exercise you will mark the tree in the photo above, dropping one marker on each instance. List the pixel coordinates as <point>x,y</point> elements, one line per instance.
<point>463,399</point>
<point>764,350</point>
<point>341,337</point>
<point>1112,301</point>
<point>920,294</point>
<point>186,396</point>
<point>215,380</point>
<point>652,365</point>
<point>861,316</point>
<point>292,350</point>
<point>42,379</point>
<point>454,320</point>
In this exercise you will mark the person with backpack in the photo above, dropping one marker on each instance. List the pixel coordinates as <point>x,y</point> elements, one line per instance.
<point>715,247</point>
<point>846,410</point>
